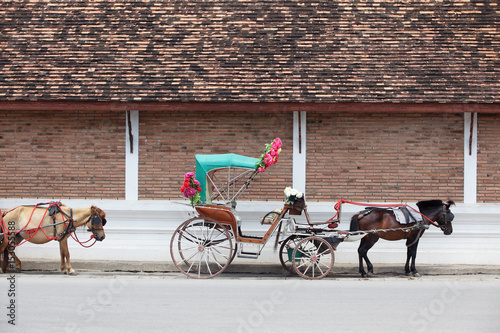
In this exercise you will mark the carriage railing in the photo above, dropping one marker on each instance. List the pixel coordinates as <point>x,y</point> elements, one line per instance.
<point>228,190</point>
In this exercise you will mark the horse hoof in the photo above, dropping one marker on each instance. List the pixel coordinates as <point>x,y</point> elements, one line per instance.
<point>416,274</point>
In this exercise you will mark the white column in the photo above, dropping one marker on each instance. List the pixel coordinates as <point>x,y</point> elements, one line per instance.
<point>470,157</point>
<point>299,151</point>
<point>132,156</point>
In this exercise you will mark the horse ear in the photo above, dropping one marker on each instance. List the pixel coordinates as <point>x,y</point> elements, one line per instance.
<point>449,203</point>
<point>94,210</point>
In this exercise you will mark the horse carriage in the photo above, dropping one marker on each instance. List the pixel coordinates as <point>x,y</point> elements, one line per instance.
<point>205,245</point>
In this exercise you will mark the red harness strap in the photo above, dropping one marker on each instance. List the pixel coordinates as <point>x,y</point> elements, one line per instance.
<point>32,231</point>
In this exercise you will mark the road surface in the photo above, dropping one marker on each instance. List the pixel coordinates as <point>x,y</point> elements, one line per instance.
<point>155,302</point>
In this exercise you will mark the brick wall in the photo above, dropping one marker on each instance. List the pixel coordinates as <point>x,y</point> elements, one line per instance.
<point>488,158</point>
<point>385,157</point>
<point>74,154</point>
<point>379,157</point>
<point>356,156</point>
<point>170,141</point>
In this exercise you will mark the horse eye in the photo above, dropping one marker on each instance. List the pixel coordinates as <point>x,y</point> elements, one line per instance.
<point>104,222</point>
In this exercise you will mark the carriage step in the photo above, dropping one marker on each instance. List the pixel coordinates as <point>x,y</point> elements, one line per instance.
<point>249,250</point>
<point>248,255</point>
<point>251,237</point>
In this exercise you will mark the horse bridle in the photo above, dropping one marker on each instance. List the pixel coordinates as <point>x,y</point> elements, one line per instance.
<point>95,220</point>
<point>443,217</point>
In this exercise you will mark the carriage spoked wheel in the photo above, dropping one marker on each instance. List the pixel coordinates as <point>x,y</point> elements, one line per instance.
<point>313,258</point>
<point>286,252</point>
<point>201,248</point>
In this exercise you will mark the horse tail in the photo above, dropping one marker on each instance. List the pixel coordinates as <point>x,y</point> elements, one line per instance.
<point>354,223</point>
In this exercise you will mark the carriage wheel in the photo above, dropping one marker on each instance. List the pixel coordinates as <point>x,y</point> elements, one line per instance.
<point>313,258</point>
<point>286,252</point>
<point>201,248</point>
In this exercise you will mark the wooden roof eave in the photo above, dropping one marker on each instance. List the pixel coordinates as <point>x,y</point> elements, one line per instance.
<point>354,107</point>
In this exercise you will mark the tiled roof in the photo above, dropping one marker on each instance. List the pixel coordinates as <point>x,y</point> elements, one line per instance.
<point>250,50</point>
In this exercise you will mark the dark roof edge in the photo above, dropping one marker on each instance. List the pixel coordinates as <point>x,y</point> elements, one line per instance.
<point>381,107</point>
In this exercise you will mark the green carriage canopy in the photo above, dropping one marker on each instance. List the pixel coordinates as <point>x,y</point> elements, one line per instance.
<point>207,164</point>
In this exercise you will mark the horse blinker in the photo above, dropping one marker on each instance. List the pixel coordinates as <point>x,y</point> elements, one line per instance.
<point>96,220</point>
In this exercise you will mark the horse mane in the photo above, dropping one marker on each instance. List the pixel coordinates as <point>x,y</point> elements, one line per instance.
<point>429,203</point>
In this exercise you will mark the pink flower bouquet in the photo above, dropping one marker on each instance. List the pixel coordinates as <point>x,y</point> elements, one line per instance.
<point>191,188</point>
<point>270,155</point>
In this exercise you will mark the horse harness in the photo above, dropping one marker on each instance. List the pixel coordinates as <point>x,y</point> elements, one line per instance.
<point>94,218</point>
<point>419,225</point>
<point>53,210</point>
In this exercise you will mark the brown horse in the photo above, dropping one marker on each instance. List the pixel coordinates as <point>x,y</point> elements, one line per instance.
<point>40,225</point>
<point>376,222</point>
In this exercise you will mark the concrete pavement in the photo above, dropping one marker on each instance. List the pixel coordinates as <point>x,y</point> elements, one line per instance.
<point>254,267</point>
<point>153,302</point>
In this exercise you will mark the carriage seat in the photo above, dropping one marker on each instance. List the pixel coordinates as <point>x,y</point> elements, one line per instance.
<point>222,214</point>
<point>271,217</point>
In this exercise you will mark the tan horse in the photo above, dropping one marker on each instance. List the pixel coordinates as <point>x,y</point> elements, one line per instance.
<point>40,225</point>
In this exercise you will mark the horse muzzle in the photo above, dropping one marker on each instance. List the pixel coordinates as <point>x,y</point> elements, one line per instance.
<point>447,227</point>
<point>98,234</point>
<point>100,238</point>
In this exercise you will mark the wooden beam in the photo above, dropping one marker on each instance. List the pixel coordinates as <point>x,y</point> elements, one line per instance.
<point>382,107</point>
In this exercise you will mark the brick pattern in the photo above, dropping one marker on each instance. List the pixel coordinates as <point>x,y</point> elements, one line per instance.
<point>488,158</point>
<point>385,157</point>
<point>169,143</point>
<point>57,155</point>
<point>376,157</point>
<point>250,50</point>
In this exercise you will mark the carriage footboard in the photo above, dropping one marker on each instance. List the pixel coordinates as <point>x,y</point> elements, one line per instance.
<point>334,241</point>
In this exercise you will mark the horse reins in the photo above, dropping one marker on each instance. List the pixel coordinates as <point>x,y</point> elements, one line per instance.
<point>98,220</point>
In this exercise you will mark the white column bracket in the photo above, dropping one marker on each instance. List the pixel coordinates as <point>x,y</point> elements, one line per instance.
<point>299,151</point>
<point>470,157</point>
<point>132,156</point>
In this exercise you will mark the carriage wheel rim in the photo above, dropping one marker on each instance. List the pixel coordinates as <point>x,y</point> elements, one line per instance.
<point>285,257</point>
<point>310,265</point>
<point>201,248</point>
